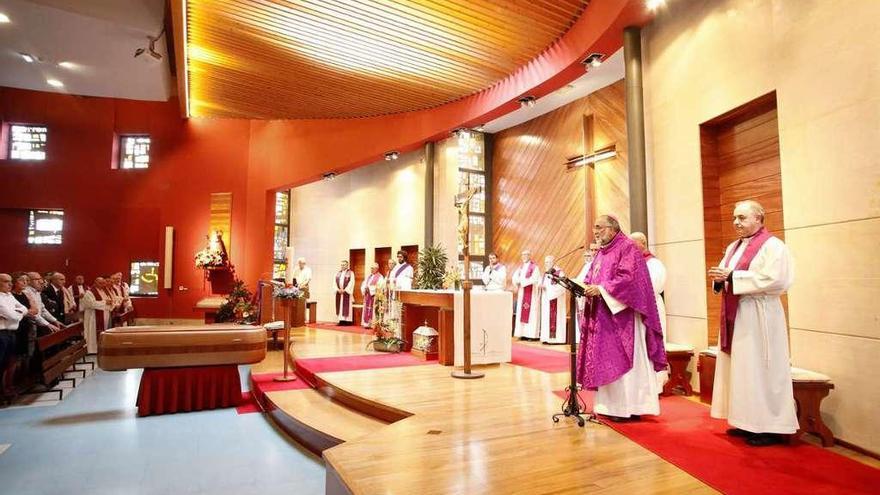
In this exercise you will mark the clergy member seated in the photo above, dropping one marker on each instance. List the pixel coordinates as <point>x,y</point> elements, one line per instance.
<point>623,346</point>
<point>97,306</point>
<point>302,276</point>
<point>753,388</point>
<point>369,288</point>
<point>494,275</point>
<point>526,281</point>
<point>553,306</point>
<point>658,281</point>
<point>344,285</point>
<point>402,275</point>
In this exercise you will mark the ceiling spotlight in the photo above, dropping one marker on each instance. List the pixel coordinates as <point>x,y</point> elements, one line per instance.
<point>329,176</point>
<point>527,101</point>
<point>3,18</point>
<point>68,65</point>
<point>462,133</point>
<point>391,155</point>
<point>593,60</point>
<point>480,128</point>
<point>55,83</point>
<point>151,48</point>
<point>654,4</point>
<point>28,58</point>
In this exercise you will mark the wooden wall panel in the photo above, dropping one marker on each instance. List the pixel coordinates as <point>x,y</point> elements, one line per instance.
<point>357,258</point>
<point>537,204</point>
<point>740,155</point>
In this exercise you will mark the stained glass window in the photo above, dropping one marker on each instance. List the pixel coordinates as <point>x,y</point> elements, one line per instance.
<point>282,234</point>
<point>45,226</point>
<point>27,142</point>
<point>134,151</point>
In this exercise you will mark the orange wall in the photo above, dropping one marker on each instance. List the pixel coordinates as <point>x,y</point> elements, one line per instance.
<point>115,216</point>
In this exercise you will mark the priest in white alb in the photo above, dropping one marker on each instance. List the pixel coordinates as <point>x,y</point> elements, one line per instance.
<point>494,275</point>
<point>302,276</point>
<point>369,288</point>
<point>527,282</point>
<point>753,388</point>
<point>344,285</point>
<point>581,278</point>
<point>553,304</point>
<point>622,348</point>
<point>401,276</point>
<point>97,306</point>
<point>658,280</point>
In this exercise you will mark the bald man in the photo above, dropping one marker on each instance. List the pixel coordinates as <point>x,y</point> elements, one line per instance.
<point>12,313</point>
<point>753,388</point>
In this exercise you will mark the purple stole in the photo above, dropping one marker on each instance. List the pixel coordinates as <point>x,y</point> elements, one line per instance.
<point>344,297</point>
<point>399,270</point>
<point>526,311</point>
<point>729,300</point>
<point>368,299</point>
<point>553,302</point>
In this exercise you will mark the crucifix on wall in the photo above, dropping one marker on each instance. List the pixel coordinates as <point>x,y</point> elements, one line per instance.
<point>588,159</point>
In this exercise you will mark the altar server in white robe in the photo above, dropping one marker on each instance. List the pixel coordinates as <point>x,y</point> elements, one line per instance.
<point>658,280</point>
<point>97,306</point>
<point>553,305</point>
<point>527,281</point>
<point>494,275</point>
<point>581,278</point>
<point>753,388</point>
<point>344,285</point>
<point>402,274</point>
<point>369,288</point>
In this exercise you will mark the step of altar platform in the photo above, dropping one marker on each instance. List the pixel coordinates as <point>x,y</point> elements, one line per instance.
<point>316,421</point>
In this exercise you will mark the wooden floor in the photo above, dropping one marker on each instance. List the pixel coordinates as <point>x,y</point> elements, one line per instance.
<point>492,435</point>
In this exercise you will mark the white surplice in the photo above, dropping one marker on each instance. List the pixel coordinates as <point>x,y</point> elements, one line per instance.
<point>92,309</point>
<point>549,292</point>
<point>658,281</point>
<point>369,288</point>
<point>402,280</point>
<point>753,388</point>
<point>530,330</point>
<point>637,391</point>
<point>495,277</point>
<point>346,311</point>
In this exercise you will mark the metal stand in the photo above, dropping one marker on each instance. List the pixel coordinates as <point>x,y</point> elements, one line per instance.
<point>573,407</point>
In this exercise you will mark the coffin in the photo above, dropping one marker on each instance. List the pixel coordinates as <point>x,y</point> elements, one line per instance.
<point>172,346</point>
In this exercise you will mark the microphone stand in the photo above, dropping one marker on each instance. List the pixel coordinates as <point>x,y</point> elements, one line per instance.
<point>573,406</point>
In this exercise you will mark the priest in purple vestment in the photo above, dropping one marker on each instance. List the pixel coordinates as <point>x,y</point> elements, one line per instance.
<point>621,341</point>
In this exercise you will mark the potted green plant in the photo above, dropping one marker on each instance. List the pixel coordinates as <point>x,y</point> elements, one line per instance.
<point>432,268</point>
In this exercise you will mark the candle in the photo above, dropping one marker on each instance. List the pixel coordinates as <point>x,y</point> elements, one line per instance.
<point>288,276</point>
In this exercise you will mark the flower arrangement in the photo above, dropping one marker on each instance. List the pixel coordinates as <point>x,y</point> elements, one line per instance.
<point>239,306</point>
<point>288,292</point>
<point>386,340</point>
<point>452,278</point>
<point>208,259</point>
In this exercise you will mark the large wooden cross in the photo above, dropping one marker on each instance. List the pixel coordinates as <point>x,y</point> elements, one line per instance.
<point>462,202</point>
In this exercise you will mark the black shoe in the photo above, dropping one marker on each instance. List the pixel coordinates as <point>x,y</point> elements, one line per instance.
<point>736,432</point>
<point>635,417</point>
<point>764,439</point>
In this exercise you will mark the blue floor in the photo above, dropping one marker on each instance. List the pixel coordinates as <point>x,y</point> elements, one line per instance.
<point>93,443</point>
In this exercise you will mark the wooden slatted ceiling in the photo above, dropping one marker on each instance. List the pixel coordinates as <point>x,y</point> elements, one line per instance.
<point>271,59</point>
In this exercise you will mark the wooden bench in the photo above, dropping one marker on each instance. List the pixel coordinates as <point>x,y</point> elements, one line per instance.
<point>809,389</point>
<point>679,357</point>
<point>312,306</point>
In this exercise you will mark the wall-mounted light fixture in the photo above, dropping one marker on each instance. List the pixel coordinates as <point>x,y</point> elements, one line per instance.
<point>392,155</point>
<point>581,160</point>
<point>593,60</point>
<point>527,101</point>
<point>329,176</point>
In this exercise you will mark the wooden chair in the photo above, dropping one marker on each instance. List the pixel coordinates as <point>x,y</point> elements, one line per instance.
<point>679,357</point>
<point>810,388</point>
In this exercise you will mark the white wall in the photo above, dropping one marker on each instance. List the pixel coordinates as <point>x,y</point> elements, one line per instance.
<point>379,205</point>
<point>704,58</point>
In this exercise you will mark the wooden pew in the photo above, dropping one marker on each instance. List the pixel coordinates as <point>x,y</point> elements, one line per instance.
<point>60,350</point>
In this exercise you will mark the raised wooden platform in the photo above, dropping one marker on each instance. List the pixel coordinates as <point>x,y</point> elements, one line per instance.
<point>492,435</point>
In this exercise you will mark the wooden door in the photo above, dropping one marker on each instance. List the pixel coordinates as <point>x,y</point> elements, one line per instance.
<point>357,259</point>
<point>382,255</point>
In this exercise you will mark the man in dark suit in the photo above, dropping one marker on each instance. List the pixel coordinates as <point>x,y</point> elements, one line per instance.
<point>53,296</point>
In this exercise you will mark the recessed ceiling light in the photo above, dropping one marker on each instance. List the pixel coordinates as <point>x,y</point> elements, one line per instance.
<point>55,83</point>
<point>3,18</point>
<point>654,4</point>
<point>527,101</point>
<point>68,65</point>
<point>27,58</point>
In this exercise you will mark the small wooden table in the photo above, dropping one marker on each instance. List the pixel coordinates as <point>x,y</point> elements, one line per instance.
<point>210,305</point>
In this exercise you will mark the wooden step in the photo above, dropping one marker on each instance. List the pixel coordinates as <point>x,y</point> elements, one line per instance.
<point>317,422</point>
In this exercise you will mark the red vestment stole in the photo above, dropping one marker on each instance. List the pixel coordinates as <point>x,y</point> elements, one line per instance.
<point>344,297</point>
<point>729,300</point>
<point>100,296</point>
<point>526,311</point>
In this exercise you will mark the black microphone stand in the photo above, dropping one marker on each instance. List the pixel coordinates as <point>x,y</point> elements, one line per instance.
<point>573,405</point>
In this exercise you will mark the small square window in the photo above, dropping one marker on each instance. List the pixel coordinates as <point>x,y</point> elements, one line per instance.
<point>27,142</point>
<point>134,151</point>
<point>45,226</point>
<point>144,279</point>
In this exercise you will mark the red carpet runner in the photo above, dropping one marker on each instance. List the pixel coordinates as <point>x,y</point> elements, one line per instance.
<point>262,383</point>
<point>307,368</point>
<point>539,359</point>
<point>687,437</point>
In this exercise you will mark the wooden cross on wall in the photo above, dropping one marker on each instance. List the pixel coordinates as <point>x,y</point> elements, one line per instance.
<point>589,140</point>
